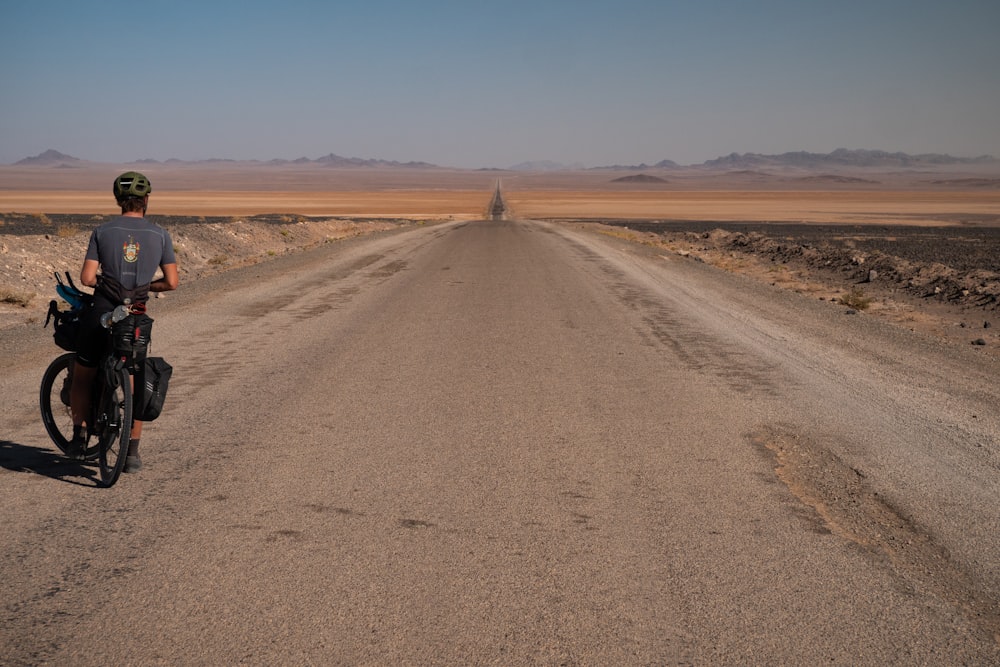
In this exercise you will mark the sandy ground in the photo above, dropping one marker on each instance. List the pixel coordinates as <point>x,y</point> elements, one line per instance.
<point>842,207</point>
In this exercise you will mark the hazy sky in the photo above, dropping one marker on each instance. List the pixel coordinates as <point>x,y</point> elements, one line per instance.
<point>489,84</point>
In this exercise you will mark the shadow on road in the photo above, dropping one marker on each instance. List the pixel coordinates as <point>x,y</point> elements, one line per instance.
<point>23,458</point>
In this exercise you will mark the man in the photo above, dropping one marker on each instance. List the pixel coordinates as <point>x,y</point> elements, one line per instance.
<point>122,258</point>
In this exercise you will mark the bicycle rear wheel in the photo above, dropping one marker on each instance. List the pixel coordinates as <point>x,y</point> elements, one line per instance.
<point>53,399</point>
<point>114,423</point>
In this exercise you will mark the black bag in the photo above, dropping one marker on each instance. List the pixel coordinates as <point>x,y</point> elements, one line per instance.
<point>155,379</point>
<point>66,325</point>
<point>130,337</point>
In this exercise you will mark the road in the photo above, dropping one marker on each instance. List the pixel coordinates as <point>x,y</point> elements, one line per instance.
<point>514,442</point>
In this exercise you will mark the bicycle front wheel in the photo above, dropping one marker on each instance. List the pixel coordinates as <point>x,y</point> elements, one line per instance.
<point>114,423</point>
<point>53,399</point>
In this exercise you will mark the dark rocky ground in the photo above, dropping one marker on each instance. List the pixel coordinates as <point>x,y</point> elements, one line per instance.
<point>954,264</point>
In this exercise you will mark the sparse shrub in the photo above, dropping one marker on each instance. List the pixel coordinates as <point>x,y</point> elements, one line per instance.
<point>218,260</point>
<point>66,231</point>
<point>285,233</point>
<point>271,253</point>
<point>44,219</point>
<point>856,299</point>
<point>15,298</point>
<point>626,236</point>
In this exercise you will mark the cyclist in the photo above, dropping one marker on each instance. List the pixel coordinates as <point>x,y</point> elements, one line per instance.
<point>121,262</point>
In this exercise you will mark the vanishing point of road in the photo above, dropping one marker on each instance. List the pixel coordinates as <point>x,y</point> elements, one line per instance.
<point>511,442</point>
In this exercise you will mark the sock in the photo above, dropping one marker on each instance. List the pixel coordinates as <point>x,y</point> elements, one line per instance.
<point>133,447</point>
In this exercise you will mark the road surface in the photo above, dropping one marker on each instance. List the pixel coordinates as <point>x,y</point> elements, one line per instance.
<point>510,442</point>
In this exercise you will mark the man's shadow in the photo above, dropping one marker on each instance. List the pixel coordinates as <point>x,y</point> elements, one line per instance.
<point>48,463</point>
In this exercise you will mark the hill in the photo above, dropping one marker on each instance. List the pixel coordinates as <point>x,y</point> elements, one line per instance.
<point>50,158</point>
<point>639,178</point>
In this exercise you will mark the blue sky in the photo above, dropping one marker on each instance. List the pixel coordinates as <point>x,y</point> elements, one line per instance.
<point>491,84</point>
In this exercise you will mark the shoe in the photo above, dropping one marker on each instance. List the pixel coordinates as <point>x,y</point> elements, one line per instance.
<point>132,463</point>
<point>75,449</point>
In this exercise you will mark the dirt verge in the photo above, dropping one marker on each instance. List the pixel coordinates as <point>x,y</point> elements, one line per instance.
<point>35,246</point>
<point>941,281</point>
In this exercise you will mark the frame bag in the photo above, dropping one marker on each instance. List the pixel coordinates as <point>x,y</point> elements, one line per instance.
<point>155,379</point>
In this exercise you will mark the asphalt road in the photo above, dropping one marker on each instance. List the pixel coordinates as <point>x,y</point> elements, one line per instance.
<point>514,443</point>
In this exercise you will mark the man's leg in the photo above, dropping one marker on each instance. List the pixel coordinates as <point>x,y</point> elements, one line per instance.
<point>132,461</point>
<point>79,404</point>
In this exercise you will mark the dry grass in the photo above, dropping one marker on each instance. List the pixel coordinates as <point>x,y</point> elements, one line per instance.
<point>856,298</point>
<point>15,298</point>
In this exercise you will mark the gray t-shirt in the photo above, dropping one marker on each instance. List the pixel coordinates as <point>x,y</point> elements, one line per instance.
<point>130,250</point>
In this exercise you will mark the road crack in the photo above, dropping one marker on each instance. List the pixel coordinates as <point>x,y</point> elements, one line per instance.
<point>850,508</point>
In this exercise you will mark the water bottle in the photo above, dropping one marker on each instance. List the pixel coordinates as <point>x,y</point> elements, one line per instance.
<point>115,316</point>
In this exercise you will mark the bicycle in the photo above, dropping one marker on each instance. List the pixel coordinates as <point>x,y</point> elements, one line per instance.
<point>112,396</point>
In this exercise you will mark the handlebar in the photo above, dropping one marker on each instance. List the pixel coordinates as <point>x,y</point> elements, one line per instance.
<point>70,293</point>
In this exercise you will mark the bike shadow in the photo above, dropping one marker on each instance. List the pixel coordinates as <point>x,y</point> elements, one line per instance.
<point>45,462</point>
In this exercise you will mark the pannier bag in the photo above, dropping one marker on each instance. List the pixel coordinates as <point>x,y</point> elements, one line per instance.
<point>155,380</point>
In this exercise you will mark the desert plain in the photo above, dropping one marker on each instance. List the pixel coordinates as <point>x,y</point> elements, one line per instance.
<point>924,244</point>
<point>926,198</point>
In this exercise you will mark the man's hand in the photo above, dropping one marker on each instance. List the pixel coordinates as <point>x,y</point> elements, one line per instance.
<point>168,282</point>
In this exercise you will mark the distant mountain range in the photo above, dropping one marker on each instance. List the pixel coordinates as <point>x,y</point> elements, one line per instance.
<point>53,158</point>
<point>840,158</point>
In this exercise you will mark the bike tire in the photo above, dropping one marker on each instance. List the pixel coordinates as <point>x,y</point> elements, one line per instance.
<point>54,406</point>
<point>114,426</point>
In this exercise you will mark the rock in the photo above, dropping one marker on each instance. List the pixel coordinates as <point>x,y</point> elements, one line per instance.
<point>986,325</point>
<point>872,275</point>
<point>979,341</point>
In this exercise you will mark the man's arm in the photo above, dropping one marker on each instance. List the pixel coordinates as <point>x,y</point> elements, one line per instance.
<point>168,282</point>
<point>88,274</point>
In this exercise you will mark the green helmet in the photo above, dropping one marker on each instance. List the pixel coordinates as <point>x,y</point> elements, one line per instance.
<point>131,184</point>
